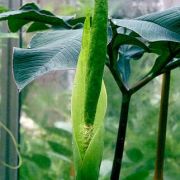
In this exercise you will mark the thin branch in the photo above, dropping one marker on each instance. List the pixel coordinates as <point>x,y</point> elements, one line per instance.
<point>172,65</point>
<point>147,79</point>
<point>162,127</point>
<point>141,83</point>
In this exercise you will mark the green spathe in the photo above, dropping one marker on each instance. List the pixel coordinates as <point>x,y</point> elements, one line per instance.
<point>89,100</point>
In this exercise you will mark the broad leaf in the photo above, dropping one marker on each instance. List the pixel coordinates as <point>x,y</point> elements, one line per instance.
<point>122,39</point>
<point>37,26</point>
<point>161,26</point>
<point>40,160</point>
<point>169,18</point>
<point>134,155</point>
<point>32,13</point>
<point>60,149</point>
<point>50,51</point>
<point>161,29</point>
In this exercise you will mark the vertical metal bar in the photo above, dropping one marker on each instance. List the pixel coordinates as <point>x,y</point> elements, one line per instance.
<point>20,95</point>
<point>9,105</point>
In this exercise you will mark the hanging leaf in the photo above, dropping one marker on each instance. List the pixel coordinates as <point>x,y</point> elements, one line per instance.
<point>122,39</point>
<point>161,29</point>
<point>161,26</point>
<point>49,51</point>
<point>168,18</point>
<point>38,26</point>
<point>30,12</point>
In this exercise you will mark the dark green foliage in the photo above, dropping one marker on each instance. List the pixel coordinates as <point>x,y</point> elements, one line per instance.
<point>134,154</point>
<point>60,149</point>
<point>157,33</point>
<point>41,160</point>
<point>50,51</point>
<point>32,13</point>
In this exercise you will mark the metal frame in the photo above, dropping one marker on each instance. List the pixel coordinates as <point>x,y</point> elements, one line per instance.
<point>9,110</point>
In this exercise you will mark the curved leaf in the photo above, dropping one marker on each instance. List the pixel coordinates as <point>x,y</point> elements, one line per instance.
<point>135,155</point>
<point>40,160</point>
<point>32,13</point>
<point>161,26</point>
<point>49,51</point>
<point>169,18</point>
<point>60,149</point>
<point>122,39</point>
<point>149,30</point>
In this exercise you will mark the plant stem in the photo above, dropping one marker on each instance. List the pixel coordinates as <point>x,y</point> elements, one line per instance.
<point>162,127</point>
<point>121,137</point>
<point>124,89</point>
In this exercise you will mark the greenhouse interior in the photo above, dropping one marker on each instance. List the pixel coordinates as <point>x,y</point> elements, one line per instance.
<point>89,90</point>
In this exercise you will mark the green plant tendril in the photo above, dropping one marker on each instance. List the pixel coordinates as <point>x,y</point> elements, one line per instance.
<point>16,147</point>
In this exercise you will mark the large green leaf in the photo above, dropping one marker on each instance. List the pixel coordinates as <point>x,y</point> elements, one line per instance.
<point>134,154</point>
<point>60,149</point>
<point>40,160</point>
<point>49,51</point>
<point>161,29</point>
<point>161,26</point>
<point>123,39</point>
<point>169,18</point>
<point>32,13</point>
